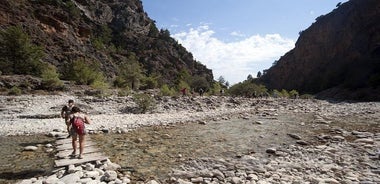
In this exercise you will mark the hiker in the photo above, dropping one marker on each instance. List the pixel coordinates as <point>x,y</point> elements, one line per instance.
<point>65,113</point>
<point>201,92</point>
<point>77,120</point>
<point>183,91</point>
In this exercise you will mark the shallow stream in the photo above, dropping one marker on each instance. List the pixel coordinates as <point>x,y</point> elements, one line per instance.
<point>152,152</point>
<point>17,164</point>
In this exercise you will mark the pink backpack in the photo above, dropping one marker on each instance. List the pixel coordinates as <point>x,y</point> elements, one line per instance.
<point>78,125</point>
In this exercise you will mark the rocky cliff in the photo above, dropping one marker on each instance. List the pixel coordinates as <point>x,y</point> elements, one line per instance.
<point>337,56</point>
<point>105,31</point>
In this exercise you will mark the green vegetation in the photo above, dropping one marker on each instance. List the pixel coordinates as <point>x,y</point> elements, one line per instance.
<point>131,74</point>
<point>247,89</point>
<point>144,102</point>
<point>18,55</point>
<point>102,39</point>
<point>50,79</point>
<point>72,9</point>
<point>84,72</point>
<point>165,90</point>
<point>15,91</point>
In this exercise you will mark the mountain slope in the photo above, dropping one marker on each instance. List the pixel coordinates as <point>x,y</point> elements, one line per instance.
<point>106,31</point>
<point>339,54</point>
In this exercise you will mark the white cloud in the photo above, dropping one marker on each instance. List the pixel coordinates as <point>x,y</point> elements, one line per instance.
<point>234,60</point>
<point>238,34</point>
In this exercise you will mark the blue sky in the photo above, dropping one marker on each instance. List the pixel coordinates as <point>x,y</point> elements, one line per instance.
<point>236,38</point>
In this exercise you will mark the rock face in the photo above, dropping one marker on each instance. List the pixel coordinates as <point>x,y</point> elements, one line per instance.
<point>339,52</point>
<point>69,30</point>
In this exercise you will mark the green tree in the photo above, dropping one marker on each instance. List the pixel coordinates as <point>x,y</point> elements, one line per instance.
<point>84,72</point>
<point>131,73</point>
<point>17,54</point>
<point>216,88</point>
<point>247,89</point>
<point>50,78</point>
<point>250,78</point>
<point>221,80</point>
<point>199,82</point>
<point>259,74</point>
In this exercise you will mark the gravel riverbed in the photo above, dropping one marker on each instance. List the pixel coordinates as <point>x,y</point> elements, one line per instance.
<point>316,141</point>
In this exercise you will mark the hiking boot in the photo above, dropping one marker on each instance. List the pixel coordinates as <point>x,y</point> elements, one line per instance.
<point>80,156</point>
<point>72,154</point>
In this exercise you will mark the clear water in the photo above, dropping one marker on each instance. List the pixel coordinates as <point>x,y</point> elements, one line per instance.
<point>16,164</point>
<point>152,152</point>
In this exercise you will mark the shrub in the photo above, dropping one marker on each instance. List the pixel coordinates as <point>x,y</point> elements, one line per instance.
<point>182,84</point>
<point>15,91</point>
<point>276,93</point>
<point>144,102</point>
<point>307,96</point>
<point>50,78</point>
<point>294,94</point>
<point>284,93</point>
<point>101,86</point>
<point>149,83</point>
<point>216,88</point>
<point>84,73</point>
<point>17,54</point>
<point>166,91</point>
<point>123,92</point>
<point>247,89</point>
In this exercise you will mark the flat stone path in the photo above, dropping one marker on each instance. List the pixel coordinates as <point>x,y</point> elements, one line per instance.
<point>64,148</point>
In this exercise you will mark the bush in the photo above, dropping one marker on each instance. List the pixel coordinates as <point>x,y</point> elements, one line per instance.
<point>307,96</point>
<point>17,54</point>
<point>166,91</point>
<point>15,91</point>
<point>84,73</point>
<point>284,93</point>
<point>247,89</point>
<point>50,78</point>
<point>123,92</point>
<point>101,86</point>
<point>149,83</point>
<point>294,94</point>
<point>144,102</point>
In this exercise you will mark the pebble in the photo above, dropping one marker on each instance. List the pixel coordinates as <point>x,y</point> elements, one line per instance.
<point>340,156</point>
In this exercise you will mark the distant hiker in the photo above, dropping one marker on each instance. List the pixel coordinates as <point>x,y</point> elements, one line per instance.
<point>77,120</point>
<point>201,92</point>
<point>183,91</point>
<point>222,92</point>
<point>65,113</point>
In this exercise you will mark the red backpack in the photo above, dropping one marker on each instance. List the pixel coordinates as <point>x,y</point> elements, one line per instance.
<point>78,125</point>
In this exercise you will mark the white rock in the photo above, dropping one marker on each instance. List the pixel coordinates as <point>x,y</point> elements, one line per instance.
<point>30,148</point>
<point>51,179</point>
<point>91,174</point>
<point>89,167</point>
<point>152,182</point>
<point>364,140</point>
<point>110,176</point>
<point>71,178</point>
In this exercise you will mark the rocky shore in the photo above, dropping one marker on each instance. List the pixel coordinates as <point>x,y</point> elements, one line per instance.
<point>339,144</point>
